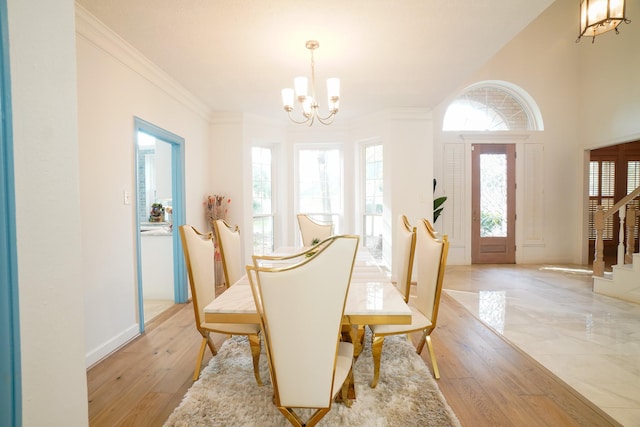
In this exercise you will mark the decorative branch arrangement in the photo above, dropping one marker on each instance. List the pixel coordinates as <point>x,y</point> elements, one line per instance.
<point>216,207</point>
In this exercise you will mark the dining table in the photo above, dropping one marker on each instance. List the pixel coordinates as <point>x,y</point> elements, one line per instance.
<point>372,297</point>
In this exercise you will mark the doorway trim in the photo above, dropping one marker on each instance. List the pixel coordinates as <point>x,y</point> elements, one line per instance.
<point>178,215</point>
<point>10,366</point>
<point>494,250</point>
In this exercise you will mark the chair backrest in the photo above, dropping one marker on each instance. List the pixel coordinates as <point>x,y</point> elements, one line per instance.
<point>198,252</point>
<point>431,260</point>
<point>301,308</point>
<point>311,230</point>
<point>230,246</point>
<point>406,244</point>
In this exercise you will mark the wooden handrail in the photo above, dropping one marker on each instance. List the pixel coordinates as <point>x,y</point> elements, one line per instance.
<point>599,217</point>
<point>626,199</point>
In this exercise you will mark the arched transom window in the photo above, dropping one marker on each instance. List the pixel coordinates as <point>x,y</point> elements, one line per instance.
<point>492,106</point>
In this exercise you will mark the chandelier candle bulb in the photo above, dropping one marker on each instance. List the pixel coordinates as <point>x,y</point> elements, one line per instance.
<point>300,83</point>
<point>287,99</point>
<point>333,89</point>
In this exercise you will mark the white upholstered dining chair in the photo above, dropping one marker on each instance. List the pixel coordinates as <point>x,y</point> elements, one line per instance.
<point>199,253</point>
<point>311,230</point>
<point>430,258</point>
<point>406,244</point>
<point>301,307</point>
<point>230,246</point>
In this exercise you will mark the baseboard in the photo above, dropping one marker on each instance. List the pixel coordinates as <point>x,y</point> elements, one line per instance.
<point>104,350</point>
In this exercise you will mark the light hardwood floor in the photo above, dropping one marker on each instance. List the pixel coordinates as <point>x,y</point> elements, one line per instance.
<point>486,381</point>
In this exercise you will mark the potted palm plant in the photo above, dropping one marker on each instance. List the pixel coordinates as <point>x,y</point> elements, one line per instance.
<point>438,203</point>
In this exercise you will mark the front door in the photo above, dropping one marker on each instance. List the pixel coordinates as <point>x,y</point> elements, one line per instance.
<point>493,204</point>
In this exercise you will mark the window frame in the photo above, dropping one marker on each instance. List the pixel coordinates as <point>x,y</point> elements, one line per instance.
<point>273,213</point>
<point>364,198</point>
<point>337,216</point>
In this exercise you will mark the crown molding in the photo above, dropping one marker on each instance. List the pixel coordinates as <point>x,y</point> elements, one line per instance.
<point>101,36</point>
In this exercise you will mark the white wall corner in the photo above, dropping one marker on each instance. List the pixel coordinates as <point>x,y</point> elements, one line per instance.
<point>97,33</point>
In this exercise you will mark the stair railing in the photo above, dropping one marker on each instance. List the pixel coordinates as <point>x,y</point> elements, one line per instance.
<point>631,215</point>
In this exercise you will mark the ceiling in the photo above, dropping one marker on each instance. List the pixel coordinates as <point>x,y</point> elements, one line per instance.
<point>237,55</point>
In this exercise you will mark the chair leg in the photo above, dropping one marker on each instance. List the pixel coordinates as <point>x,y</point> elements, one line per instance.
<point>358,344</point>
<point>292,417</point>
<point>432,353</point>
<point>344,391</point>
<point>420,345</point>
<point>254,342</point>
<point>203,345</point>
<point>211,345</point>
<point>376,352</point>
<point>316,417</point>
<point>426,338</point>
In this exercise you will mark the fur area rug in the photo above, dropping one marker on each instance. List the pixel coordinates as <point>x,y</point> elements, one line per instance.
<point>227,395</point>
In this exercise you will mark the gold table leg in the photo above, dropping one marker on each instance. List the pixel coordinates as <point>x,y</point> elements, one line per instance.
<point>355,335</point>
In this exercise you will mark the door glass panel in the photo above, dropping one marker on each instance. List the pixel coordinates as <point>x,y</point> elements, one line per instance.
<point>493,195</point>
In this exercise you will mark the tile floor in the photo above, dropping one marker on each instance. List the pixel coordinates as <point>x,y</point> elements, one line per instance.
<point>590,341</point>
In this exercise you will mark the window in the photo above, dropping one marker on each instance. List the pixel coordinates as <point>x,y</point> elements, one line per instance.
<point>154,178</point>
<point>633,181</point>
<point>373,200</point>
<point>319,184</point>
<point>633,175</point>
<point>602,175</point>
<point>492,106</point>
<point>263,213</point>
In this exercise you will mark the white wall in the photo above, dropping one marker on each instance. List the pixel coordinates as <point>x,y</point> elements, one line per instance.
<point>43,76</point>
<point>609,75</point>
<point>116,84</point>
<point>407,139</point>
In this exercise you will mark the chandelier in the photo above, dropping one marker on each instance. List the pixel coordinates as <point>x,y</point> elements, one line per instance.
<point>308,101</point>
<point>599,16</point>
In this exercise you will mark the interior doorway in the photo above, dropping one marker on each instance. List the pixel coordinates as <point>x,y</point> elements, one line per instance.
<point>493,204</point>
<point>159,211</point>
<point>155,210</point>
<point>614,172</point>
<point>10,366</point>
